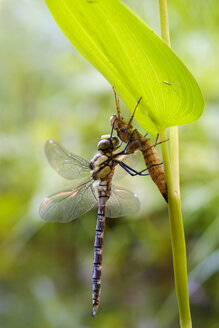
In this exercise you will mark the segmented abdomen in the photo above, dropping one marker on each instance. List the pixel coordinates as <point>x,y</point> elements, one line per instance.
<point>157,173</point>
<point>98,248</point>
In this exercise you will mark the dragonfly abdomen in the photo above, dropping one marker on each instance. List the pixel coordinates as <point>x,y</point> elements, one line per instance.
<point>103,194</point>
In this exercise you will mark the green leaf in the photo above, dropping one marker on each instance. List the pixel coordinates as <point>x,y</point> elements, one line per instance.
<point>133,59</point>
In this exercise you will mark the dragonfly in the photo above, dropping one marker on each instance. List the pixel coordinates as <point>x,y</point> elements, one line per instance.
<point>137,141</point>
<point>92,186</point>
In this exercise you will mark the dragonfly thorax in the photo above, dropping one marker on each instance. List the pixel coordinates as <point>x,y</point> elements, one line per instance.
<point>101,166</point>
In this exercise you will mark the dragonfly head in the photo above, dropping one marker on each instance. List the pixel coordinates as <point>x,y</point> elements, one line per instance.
<point>108,143</point>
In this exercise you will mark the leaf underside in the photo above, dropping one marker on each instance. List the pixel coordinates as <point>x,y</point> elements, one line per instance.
<point>133,59</point>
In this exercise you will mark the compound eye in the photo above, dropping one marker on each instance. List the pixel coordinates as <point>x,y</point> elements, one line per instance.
<point>105,137</point>
<point>104,144</point>
<point>115,141</point>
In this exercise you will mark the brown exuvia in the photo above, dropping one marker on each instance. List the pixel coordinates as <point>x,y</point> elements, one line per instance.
<point>136,141</point>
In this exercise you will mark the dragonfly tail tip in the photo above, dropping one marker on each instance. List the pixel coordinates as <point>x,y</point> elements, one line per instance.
<point>94,310</point>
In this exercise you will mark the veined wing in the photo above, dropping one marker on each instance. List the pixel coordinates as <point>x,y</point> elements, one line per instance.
<point>122,203</point>
<point>68,165</point>
<point>67,205</point>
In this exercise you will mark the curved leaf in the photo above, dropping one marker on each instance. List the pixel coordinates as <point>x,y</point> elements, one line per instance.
<point>133,59</point>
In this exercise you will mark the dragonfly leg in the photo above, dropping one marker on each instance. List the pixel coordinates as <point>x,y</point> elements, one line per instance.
<point>129,170</point>
<point>130,139</point>
<point>158,143</point>
<point>126,146</point>
<point>133,114</point>
<point>152,165</point>
<point>117,103</point>
<point>156,139</point>
<point>132,171</point>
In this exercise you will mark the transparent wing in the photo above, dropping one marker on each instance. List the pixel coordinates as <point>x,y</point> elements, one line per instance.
<point>131,159</point>
<point>68,165</point>
<point>122,203</point>
<point>67,205</point>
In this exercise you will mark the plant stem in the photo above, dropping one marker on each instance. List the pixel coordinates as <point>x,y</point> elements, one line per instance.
<point>174,157</point>
<point>174,135</point>
<point>171,166</point>
<point>177,240</point>
<point>164,27</point>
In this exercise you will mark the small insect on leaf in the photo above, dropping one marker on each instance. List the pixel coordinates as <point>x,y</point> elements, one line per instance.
<point>168,83</point>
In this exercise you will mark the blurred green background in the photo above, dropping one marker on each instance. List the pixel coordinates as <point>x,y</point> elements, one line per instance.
<point>47,90</point>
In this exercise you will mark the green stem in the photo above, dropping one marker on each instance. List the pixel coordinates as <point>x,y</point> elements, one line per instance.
<point>174,157</point>
<point>177,240</point>
<point>171,166</point>
<point>164,27</point>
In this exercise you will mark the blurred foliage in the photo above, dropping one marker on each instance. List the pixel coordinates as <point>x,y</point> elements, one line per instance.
<point>47,90</point>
